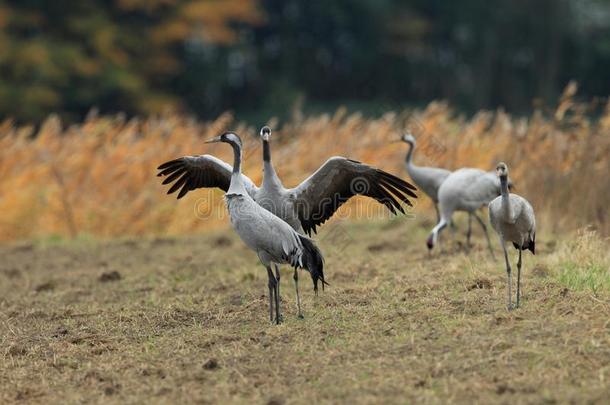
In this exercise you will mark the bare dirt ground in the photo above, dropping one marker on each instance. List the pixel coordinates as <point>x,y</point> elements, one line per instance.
<point>185,320</point>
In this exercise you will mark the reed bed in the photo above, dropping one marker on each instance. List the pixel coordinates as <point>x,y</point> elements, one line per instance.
<point>98,177</point>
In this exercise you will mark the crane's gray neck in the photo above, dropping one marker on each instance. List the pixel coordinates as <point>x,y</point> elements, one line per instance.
<point>506,206</point>
<point>270,177</point>
<point>237,185</point>
<point>409,158</point>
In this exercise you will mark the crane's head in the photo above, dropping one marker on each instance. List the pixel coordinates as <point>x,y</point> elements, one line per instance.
<point>265,133</point>
<point>408,138</point>
<point>430,242</point>
<point>228,137</point>
<point>502,169</point>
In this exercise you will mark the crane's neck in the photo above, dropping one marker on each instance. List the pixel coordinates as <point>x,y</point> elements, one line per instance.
<point>506,206</point>
<point>266,152</point>
<point>237,185</point>
<point>270,177</point>
<point>409,158</point>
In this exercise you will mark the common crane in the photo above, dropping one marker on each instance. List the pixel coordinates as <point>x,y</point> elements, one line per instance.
<point>429,179</point>
<point>512,217</point>
<point>465,190</point>
<point>273,240</point>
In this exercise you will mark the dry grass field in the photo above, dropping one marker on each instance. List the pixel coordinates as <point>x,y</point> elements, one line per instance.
<point>174,320</point>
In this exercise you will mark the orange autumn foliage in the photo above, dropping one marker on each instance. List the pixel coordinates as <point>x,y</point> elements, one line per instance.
<point>98,177</point>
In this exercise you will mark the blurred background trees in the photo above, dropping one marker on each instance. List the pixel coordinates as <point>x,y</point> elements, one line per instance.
<point>259,57</point>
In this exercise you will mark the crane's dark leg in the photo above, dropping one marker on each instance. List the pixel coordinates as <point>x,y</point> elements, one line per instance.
<point>296,286</point>
<point>508,275</point>
<point>272,290</point>
<point>277,295</point>
<point>519,279</point>
<point>438,214</point>
<point>438,219</point>
<point>469,231</point>
<point>486,235</point>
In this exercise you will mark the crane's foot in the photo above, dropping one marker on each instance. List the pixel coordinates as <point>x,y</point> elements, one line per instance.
<point>300,316</point>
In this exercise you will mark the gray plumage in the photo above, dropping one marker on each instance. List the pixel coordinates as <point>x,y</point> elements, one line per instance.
<point>513,219</point>
<point>274,241</point>
<point>465,190</point>
<point>427,179</point>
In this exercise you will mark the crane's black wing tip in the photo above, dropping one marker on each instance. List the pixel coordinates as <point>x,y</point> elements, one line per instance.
<point>168,164</point>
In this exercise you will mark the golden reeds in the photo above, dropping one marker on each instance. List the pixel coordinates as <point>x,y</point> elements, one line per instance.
<point>98,177</point>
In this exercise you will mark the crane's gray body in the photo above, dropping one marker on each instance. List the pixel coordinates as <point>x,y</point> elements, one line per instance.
<point>273,240</point>
<point>428,179</point>
<point>514,222</point>
<point>274,197</point>
<point>467,190</point>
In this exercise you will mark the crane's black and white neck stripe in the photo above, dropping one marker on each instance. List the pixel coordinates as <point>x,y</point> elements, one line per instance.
<point>237,185</point>
<point>270,178</point>
<point>265,134</point>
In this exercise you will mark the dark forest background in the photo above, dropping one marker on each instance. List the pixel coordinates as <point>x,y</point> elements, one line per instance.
<point>259,58</point>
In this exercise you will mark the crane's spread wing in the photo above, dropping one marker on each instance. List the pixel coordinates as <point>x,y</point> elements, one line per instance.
<point>336,181</point>
<point>205,171</point>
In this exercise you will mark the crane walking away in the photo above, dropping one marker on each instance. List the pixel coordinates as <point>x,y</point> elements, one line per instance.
<point>513,219</point>
<point>465,190</point>
<point>273,240</point>
<point>429,179</point>
<point>304,207</point>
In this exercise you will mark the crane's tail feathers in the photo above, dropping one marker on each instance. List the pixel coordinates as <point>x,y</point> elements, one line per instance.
<point>313,261</point>
<point>530,245</point>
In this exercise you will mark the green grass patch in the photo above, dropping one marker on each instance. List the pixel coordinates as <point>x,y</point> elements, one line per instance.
<point>594,277</point>
<point>583,263</point>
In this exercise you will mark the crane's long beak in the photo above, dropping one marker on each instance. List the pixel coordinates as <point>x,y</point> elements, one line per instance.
<point>396,141</point>
<point>213,140</point>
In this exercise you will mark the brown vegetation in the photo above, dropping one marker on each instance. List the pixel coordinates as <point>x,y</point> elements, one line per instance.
<point>98,178</point>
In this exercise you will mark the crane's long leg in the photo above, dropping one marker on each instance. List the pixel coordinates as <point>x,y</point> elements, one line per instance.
<point>438,219</point>
<point>486,234</point>
<point>519,278</point>
<point>278,315</point>
<point>469,231</point>
<point>272,290</point>
<point>508,274</point>
<point>438,214</point>
<point>296,287</point>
